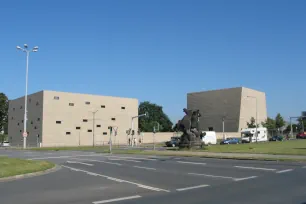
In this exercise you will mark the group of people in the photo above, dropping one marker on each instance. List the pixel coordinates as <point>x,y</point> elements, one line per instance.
<point>133,142</point>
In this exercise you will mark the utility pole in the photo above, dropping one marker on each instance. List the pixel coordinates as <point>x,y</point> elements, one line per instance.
<point>25,119</point>
<point>223,128</point>
<point>154,131</point>
<point>93,126</point>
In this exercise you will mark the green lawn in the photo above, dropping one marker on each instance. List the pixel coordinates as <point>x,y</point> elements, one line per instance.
<point>13,166</point>
<point>291,147</point>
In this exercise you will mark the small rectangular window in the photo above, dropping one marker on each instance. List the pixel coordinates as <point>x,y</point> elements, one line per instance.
<point>38,119</point>
<point>58,122</point>
<point>78,128</point>
<point>20,107</point>
<point>31,122</point>
<point>22,121</point>
<point>104,133</point>
<point>13,109</point>
<point>18,124</point>
<point>122,107</point>
<point>102,106</point>
<point>56,98</point>
<point>98,125</point>
<point>35,127</point>
<point>85,120</point>
<point>30,100</point>
<point>20,131</point>
<point>113,118</point>
<point>37,103</point>
<point>87,102</point>
<point>71,104</point>
<point>89,130</point>
<point>68,133</point>
<point>12,118</point>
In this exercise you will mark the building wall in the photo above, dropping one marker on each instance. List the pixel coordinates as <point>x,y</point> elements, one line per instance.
<point>34,123</point>
<point>110,112</point>
<point>231,103</point>
<point>216,104</point>
<point>248,107</point>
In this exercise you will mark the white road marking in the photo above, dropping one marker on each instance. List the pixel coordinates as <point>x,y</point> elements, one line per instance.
<point>255,168</point>
<point>59,157</point>
<point>123,160</point>
<point>213,176</point>
<point>135,158</point>
<point>116,199</point>
<point>304,167</point>
<point>283,171</point>
<point>182,162</point>
<point>142,167</point>
<point>246,178</point>
<point>93,160</point>
<point>117,180</point>
<point>76,162</point>
<point>192,187</point>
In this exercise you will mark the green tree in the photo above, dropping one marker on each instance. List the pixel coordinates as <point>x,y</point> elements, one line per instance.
<point>252,123</point>
<point>301,124</point>
<point>269,123</point>
<point>294,128</point>
<point>3,112</point>
<point>156,114</point>
<point>279,121</point>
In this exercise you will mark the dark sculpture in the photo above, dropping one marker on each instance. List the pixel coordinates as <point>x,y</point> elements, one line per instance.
<point>189,125</point>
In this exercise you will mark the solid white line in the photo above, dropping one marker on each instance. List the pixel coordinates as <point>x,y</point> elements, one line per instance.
<point>116,179</point>
<point>283,171</point>
<point>246,178</point>
<point>213,176</point>
<point>141,167</point>
<point>93,160</point>
<point>116,199</point>
<point>123,160</point>
<point>255,168</point>
<point>193,187</point>
<point>191,163</point>
<point>76,162</point>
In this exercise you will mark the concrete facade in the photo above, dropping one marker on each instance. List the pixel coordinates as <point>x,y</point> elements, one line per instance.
<point>66,119</point>
<point>235,105</point>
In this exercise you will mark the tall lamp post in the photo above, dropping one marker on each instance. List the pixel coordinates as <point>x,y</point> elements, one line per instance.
<point>132,125</point>
<point>93,126</point>
<point>256,116</point>
<point>27,51</point>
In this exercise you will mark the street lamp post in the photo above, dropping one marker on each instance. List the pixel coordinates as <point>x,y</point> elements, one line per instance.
<point>27,51</point>
<point>132,125</point>
<point>256,116</point>
<point>93,126</point>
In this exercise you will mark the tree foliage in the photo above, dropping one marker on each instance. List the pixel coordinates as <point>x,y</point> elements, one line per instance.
<point>156,114</point>
<point>279,121</point>
<point>3,113</point>
<point>269,123</point>
<point>252,123</point>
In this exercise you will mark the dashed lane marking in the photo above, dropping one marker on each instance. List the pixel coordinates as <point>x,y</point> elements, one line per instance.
<point>93,160</point>
<point>117,199</point>
<point>254,168</point>
<point>142,167</point>
<point>76,162</point>
<point>117,180</point>
<point>284,171</point>
<point>196,163</point>
<point>192,187</point>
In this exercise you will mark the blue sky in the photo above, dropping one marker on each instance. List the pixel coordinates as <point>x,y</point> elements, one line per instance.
<point>157,50</point>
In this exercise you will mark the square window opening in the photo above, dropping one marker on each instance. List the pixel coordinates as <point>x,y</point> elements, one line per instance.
<point>58,122</point>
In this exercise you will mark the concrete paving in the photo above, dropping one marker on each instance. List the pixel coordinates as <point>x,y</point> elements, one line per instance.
<point>87,177</point>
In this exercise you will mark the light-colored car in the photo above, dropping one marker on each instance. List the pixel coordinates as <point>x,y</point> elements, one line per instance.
<point>5,144</point>
<point>209,137</point>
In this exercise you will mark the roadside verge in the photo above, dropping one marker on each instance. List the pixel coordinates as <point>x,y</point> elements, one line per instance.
<point>13,168</point>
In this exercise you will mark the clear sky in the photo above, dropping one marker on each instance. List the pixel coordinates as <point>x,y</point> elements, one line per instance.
<point>157,50</point>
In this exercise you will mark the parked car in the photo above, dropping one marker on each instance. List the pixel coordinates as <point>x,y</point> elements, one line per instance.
<point>173,142</point>
<point>230,141</point>
<point>5,144</point>
<point>301,135</point>
<point>276,138</point>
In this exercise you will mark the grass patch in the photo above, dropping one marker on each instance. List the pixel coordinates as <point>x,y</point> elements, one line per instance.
<point>13,166</point>
<point>290,147</point>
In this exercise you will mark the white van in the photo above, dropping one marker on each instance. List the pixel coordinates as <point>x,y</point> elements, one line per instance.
<point>209,137</point>
<point>248,135</point>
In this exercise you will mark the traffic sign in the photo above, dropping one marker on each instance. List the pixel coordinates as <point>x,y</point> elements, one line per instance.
<point>24,134</point>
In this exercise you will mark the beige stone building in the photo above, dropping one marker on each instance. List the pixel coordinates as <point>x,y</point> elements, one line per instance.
<point>235,105</point>
<point>67,119</point>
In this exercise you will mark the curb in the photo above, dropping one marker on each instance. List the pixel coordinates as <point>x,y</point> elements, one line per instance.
<point>28,175</point>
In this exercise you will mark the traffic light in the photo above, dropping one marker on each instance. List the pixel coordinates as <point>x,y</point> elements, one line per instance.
<point>133,132</point>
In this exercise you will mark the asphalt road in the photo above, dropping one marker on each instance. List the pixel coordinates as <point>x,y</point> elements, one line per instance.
<point>86,177</point>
